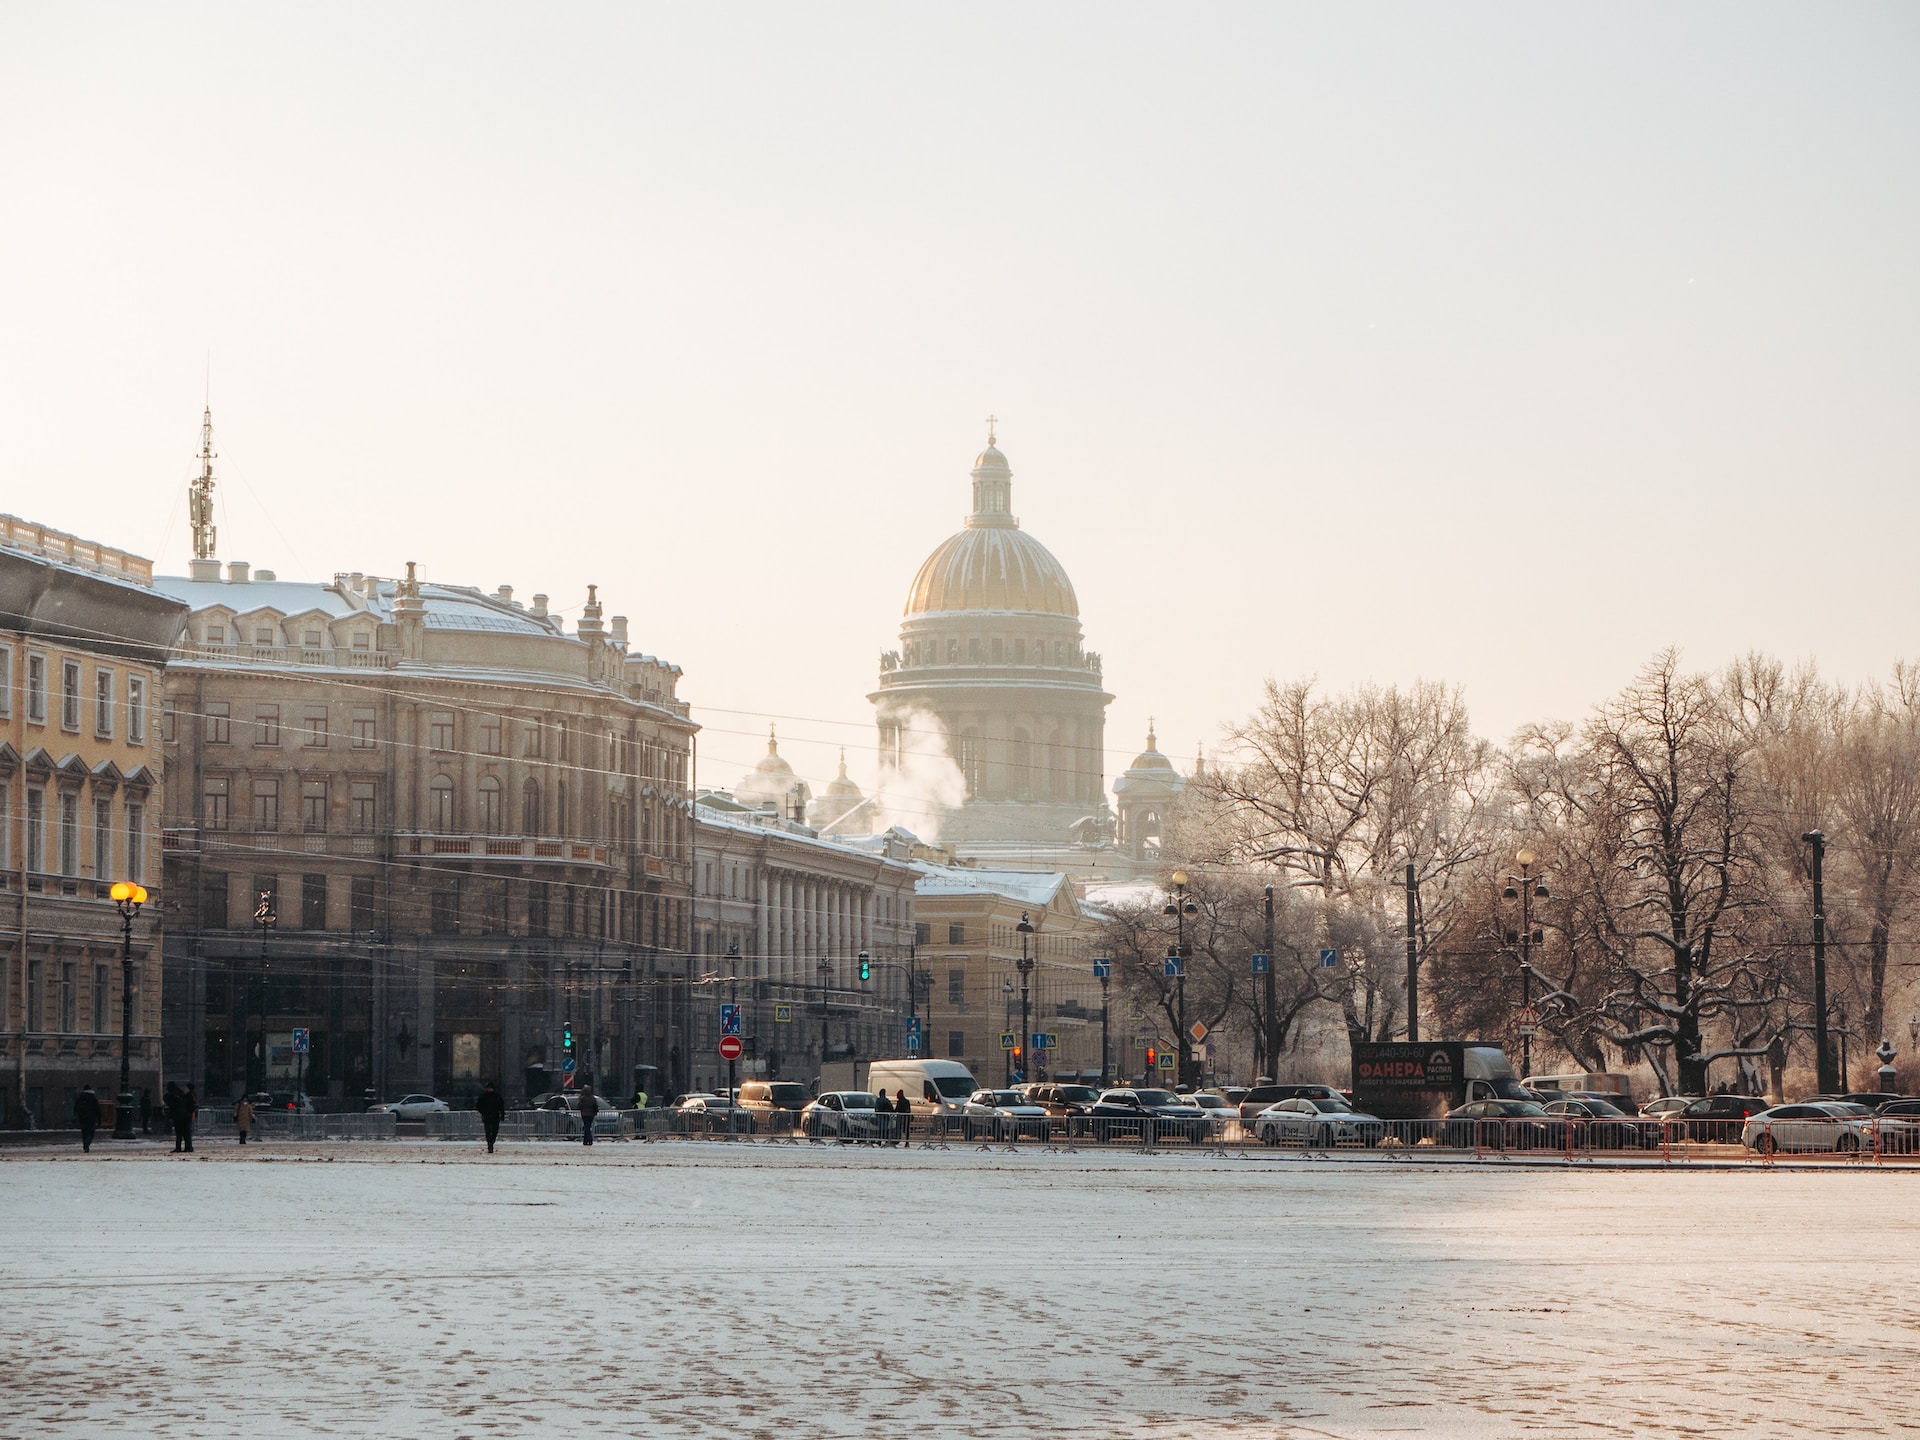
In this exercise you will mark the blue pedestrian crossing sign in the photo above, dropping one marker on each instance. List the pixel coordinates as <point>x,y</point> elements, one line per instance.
<point>1329,959</point>
<point>1170,967</point>
<point>1102,967</point>
<point>1262,964</point>
<point>729,1019</point>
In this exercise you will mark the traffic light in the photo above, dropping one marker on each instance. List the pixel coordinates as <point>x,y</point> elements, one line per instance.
<point>866,967</point>
<point>1151,1058</point>
<point>566,1036</point>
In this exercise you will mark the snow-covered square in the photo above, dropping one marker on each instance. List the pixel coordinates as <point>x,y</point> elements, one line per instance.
<point>419,1289</point>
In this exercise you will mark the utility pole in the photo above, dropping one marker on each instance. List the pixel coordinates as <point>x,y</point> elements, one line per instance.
<point>1822,1043</point>
<point>1413,954</point>
<point>1273,1009</point>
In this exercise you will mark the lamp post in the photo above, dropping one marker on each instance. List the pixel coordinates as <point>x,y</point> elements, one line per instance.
<point>1006,1056</point>
<point>826,970</point>
<point>129,898</point>
<point>1179,906</point>
<point>266,919</point>
<point>1822,1042</point>
<point>1025,927</point>
<point>733,998</point>
<point>1103,972</point>
<point>1526,888</point>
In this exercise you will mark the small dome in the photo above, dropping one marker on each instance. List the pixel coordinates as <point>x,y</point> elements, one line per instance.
<point>772,780</point>
<point>840,787</point>
<point>991,459</point>
<point>1150,771</point>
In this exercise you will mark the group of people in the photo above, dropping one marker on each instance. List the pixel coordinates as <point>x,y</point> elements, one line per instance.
<point>892,1131</point>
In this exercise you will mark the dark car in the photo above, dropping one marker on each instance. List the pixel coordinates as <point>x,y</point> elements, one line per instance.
<point>1599,1124</point>
<point>1261,1096</point>
<point>1503,1125</point>
<point>1127,1112</point>
<point>1718,1119</point>
<point>1069,1105</point>
<point>1900,1126</point>
<point>1873,1099</point>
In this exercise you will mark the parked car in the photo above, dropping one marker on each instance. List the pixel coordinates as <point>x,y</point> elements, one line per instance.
<point>709,1113</point>
<point>841,1114</point>
<point>1126,1112</point>
<point>1503,1125</point>
<point>1719,1117</point>
<point>1873,1099</point>
<point>1827,1125</point>
<point>412,1107</point>
<point>1317,1122</point>
<point>773,1104</point>
<point>1667,1107</point>
<point>1068,1105</point>
<point>1261,1096</point>
<point>1004,1115</point>
<point>1599,1124</point>
<point>1223,1113</point>
<point>1899,1126</point>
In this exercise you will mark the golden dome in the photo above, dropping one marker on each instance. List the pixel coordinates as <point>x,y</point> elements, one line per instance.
<point>992,564</point>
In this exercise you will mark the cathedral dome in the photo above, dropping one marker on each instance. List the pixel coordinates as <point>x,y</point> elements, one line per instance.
<point>772,781</point>
<point>992,564</point>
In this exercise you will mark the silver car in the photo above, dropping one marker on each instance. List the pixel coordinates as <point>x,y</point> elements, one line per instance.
<point>841,1115</point>
<point>412,1107</point>
<point>1816,1125</point>
<point>1317,1122</point>
<point>1004,1115</point>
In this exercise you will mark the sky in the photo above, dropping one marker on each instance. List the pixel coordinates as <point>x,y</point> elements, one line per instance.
<point>1495,344</point>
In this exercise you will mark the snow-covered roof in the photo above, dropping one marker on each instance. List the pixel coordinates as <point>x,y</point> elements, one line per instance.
<point>289,597</point>
<point>1029,887</point>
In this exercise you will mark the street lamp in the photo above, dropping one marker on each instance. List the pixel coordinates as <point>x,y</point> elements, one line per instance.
<point>826,970</point>
<point>1025,927</point>
<point>1822,1042</point>
<point>1526,888</point>
<point>1179,906</point>
<point>129,897</point>
<point>265,917</point>
<point>1006,1054</point>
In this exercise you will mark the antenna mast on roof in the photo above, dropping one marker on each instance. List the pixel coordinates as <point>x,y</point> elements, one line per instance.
<point>200,493</point>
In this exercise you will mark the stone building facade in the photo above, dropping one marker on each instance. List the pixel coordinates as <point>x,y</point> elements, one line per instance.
<point>83,639</point>
<point>780,918</point>
<point>468,833</point>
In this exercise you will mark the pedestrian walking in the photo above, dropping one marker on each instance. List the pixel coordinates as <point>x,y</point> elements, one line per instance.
<point>882,1118</point>
<point>589,1107</point>
<point>903,1108</point>
<point>175,1105</point>
<point>86,1114</point>
<point>242,1118</point>
<point>491,1108</point>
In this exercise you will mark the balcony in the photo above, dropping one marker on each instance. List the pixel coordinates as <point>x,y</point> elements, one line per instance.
<point>524,848</point>
<point>320,657</point>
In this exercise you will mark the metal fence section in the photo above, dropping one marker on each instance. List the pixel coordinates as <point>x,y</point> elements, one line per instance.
<point>530,1125</point>
<point>271,1125</point>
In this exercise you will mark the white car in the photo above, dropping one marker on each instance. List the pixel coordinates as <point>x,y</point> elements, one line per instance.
<point>1004,1115</point>
<point>1815,1125</point>
<point>1316,1122</point>
<point>844,1114</point>
<point>412,1107</point>
<point>1224,1114</point>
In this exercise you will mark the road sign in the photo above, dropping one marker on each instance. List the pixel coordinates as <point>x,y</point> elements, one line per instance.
<point>729,1019</point>
<point>567,1064</point>
<point>1037,1040</point>
<point>1527,1021</point>
<point>1141,1042</point>
<point>1262,964</point>
<point>1166,1060</point>
<point>1198,1031</point>
<point>1102,967</point>
<point>1053,1041</point>
<point>913,1034</point>
<point>1329,959</point>
<point>1006,1039</point>
<point>783,1014</point>
<point>303,1042</point>
<point>1170,967</point>
<point>730,1047</point>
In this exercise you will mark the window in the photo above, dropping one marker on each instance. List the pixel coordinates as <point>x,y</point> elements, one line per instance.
<point>263,635</point>
<point>313,806</point>
<point>957,934</point>
<point>315,725</point>
<point>214,814</point>
<point>266,724</point>
<point>446,911</point>
<point>213,901</point>
<point>36,997</point>
<point>363,735</point>
<point>219,722</point>
<point>313,902</point>
<point>102,839</point>
<point>136,841</point>
<point>37,689</point>
<point>490,819</point>
<point>560,809</point>
<point>70,695</point>
<point>360,902</point>
<point>216,634</point>
<point>539,906</point>
<point>566,748</point>
<point>69,997</point>
<point>440,730</point>
<point>530,808</point>
<point>489,734</point>
<point>956,1044</point>
<point>100,1011</point>
<point>440,804</point>
<point>361,640</point>
<point>6,681</point>
<point>69,834</point>
<point>136,710</point>
<point>103,702</point>
<point>535,730</point>
<point>36,828</point>
<point>362,798</point>
<point>6,826</point>
<point>311,639</point>
<point>266,803</point>
<point>922,933</point>
<point>956,987</point>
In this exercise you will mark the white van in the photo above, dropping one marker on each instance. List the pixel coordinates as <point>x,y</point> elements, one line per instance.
<point>936,1087</point>
<point>1587,1082</point>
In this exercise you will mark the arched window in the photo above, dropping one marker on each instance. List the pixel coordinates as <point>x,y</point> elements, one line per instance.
<point>560,816</point>
<point>970,759</point>
<point>440,804</point>
<point>530,808</point>
<point>490,817</point>
<point>1021,780</point>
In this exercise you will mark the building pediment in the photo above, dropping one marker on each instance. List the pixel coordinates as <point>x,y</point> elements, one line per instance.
<point>107,775</point>
<point>140,778</point>
<point>39,764</point>
<point>9,758</point>
<point>72,770</point>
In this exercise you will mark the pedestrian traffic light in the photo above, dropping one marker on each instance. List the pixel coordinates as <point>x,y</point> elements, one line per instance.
<point>566,1036</point>
<point>866,967</point>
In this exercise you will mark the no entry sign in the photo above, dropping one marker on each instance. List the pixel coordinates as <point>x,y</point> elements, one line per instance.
<point>730,1047</point>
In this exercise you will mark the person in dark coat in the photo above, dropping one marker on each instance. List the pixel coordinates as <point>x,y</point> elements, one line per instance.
<point>903,1107</point>
<point>491,1108</point>
<point>86,1114</point>
<point>180,1107</point>
<point>589,1107</point>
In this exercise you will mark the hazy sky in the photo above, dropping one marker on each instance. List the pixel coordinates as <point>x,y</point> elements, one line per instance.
<point>1497,344</point>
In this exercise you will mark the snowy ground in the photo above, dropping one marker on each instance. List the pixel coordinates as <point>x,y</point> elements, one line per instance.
<point>425,1289</point>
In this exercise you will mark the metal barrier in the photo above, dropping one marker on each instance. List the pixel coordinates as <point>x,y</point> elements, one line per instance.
<point>270,1125</point>
<point>608,1124</point>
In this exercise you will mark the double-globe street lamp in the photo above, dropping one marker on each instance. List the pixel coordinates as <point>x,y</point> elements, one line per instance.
<point>1525,887</point>
<point>1025,1037</point>
<point>129,897</point>
<point>1179,906</point>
